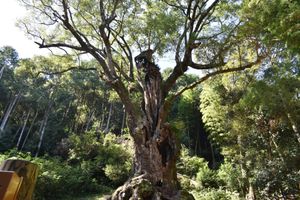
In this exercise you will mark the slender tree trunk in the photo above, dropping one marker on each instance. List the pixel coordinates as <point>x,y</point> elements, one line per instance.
<point>67,111</point>
<point>28,132</point>
<point>272,136</point>
<point>244,181</point>
<point>251,194</point>
<point>8,112</point>
<point>22,131</point>
<point>123,121</point>
<point>17,133</point>
<point>106,130</point>
<point>189,136</point>
<point>42,132</point>
<point>294,126</point>
<point>42,129</point>
<point>3,111</point>
<point>90,119</point>
<point>197,143</point>
<point>213,158</point>
<point>102,116</point>
<point>1,71</point>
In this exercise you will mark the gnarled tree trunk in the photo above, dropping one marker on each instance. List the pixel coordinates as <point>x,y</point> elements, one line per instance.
<point>156,149</point>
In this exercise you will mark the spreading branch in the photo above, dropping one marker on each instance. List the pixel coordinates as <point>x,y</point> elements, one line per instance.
<point>59,45</point>
<point>195,19</point>
<point>220,71</point>
<point>66,70</point>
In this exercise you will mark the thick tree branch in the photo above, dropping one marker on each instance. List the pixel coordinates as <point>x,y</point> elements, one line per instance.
<point>59,45</point>
<point>207,76</point>
<point>178,71</point>
<point>66,70</point>
<point>205,66</point>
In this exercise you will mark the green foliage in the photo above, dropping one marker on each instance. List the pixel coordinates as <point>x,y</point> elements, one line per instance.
<point>207,178</point>
<point>215,194</point>
<point>277,21</point>
<point>228,176</point>
<point>110,156</point>
<point>118,173</point>
<point>185,117</point>
<point>277,174</point>
<point>255,121</point>
<point>117,158</point>
<point>76,100</point>
<point>8,57</point>
<point>189,165</point>
<point>57,179</point>
<point>95,165</point>
<point>213,110</point>
<point>205,183</point>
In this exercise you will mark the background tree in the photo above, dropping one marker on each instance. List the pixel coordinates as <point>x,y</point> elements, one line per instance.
<point>246,114</point>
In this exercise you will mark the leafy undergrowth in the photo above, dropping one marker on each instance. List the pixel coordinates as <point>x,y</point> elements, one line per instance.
<point>93,167</point>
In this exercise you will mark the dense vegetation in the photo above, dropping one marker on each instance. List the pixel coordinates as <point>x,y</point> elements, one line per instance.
<point>239,131</point>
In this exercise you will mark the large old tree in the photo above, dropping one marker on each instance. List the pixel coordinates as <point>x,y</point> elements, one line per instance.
<point>200,34</point>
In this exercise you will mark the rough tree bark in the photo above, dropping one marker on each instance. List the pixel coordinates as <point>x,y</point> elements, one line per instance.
<point>28,171</point>
<point>156,148</point>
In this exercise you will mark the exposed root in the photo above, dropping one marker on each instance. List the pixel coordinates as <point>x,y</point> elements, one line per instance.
<point>140,188</point>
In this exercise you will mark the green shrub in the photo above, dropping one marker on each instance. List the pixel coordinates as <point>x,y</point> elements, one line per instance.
<point>57,179</point>
<point>207,178</point>
<point>215,194</point>
<point>204,183</point>
<point>94,166</point>
<point>189,165</point>
<point>229,176</point>
<point>110,156</point>
<point>118,173</point>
